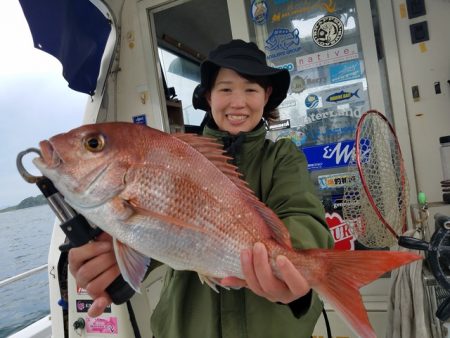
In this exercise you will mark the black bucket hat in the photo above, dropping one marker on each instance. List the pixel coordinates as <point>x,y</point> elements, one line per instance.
<point>247,59</point>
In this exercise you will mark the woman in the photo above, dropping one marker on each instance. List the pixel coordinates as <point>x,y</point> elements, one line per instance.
<point>239,92</point>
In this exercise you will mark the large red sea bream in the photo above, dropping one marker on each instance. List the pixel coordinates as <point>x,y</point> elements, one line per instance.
<point>175,198</point>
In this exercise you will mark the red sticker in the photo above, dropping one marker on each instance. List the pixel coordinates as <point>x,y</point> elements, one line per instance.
<point>343,238</point>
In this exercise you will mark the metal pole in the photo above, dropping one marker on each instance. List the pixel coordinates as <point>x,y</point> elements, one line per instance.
<point>22,275</point>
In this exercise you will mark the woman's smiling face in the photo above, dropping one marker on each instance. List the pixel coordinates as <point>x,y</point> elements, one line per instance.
<point>237,104</point>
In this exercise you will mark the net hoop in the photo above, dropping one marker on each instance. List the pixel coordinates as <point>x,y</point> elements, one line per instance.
<point>361,172</point>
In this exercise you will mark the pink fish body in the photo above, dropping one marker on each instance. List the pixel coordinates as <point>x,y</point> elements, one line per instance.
<point>177,200</point>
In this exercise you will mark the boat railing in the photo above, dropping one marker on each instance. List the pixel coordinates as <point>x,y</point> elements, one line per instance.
<point>22,275</point>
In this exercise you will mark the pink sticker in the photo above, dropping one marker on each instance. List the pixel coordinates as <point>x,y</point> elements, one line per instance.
<point>106,325</point>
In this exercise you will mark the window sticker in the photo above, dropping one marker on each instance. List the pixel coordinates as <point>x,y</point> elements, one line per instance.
<point>102,325</point>
<point>258,12</point>
<point>327,57</point>
<point>282,42</point>
<point>328,31</point>
<point>345,71</point>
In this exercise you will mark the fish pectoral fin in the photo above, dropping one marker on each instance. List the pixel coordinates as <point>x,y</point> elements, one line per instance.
<point>212,283</point>
<point>132,264</point>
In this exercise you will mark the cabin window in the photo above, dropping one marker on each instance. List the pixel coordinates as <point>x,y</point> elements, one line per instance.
<point>183,75</point>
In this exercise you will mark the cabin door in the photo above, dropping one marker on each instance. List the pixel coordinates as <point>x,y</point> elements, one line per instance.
<point>180,35</point>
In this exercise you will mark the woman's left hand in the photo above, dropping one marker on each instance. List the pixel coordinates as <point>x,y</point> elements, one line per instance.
<point>260,278</point>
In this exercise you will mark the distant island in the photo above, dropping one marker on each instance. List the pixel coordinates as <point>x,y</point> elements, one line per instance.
<point>27,203</point>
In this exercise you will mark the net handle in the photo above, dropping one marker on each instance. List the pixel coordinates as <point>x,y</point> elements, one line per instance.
<point>361,175</point>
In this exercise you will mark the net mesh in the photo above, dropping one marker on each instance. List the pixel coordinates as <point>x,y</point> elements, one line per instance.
<point>380,195</point>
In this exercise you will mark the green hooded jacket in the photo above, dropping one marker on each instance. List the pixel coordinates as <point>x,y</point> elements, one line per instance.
<point>277,173</point>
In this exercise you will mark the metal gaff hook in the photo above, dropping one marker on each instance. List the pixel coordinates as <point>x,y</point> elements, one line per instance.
<point>22,171</point>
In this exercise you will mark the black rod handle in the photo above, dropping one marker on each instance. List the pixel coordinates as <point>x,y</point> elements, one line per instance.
<point>79,232</point>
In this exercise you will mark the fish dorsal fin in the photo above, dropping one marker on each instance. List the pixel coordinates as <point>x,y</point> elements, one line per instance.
<point>214,152</point>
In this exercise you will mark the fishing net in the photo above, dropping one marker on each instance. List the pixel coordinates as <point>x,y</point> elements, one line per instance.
<point>375,204</point>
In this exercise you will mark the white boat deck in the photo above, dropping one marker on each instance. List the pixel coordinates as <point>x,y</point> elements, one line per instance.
<point>39,329</point>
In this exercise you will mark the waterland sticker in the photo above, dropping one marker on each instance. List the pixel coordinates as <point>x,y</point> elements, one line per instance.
<point>102,325</point>
<point>315,115</point>
<point>328,31</point>
<point>345,71</point>
<point>258,12</point>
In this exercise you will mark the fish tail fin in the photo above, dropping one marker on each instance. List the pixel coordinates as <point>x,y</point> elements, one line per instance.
<point>344,272</point>
<point>356,93</point>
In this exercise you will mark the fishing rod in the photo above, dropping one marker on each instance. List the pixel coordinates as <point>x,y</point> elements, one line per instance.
<point>74,225</point>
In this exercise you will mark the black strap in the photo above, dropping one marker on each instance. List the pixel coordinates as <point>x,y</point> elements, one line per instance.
<point>133,321</point>
<point>327,323</point>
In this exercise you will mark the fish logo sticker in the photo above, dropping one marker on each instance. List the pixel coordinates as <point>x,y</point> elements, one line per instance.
<point>328,31</point>
<point>282,38</point>
<point>341,96</point>
<point>282,42</point>
<point>258,12</point>
<point>353,93</point>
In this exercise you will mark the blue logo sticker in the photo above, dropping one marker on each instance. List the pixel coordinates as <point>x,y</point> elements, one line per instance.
<point>283,42</point>
<point>140,119</point>
<point>258,12</point>
<point>312,101</point>
<point>345,71</point>
<point>331,155</point>
<point>287,66</point>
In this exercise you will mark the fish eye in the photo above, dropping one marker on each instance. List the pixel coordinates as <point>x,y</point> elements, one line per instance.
<point>94,143</point>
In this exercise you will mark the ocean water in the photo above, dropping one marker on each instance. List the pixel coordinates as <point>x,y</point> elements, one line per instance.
<point>24,242</point>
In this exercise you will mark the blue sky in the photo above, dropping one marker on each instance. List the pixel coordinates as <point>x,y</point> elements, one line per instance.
<point>35,101</point>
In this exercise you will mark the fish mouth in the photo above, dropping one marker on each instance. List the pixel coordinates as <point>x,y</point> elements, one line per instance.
<point>49,157</point>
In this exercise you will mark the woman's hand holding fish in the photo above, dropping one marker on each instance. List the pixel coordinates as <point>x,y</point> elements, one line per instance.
<point>94,267</point>
<point>260,278</point>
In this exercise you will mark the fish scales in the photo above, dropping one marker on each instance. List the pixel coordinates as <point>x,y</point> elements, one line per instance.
<point>165,187</point>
